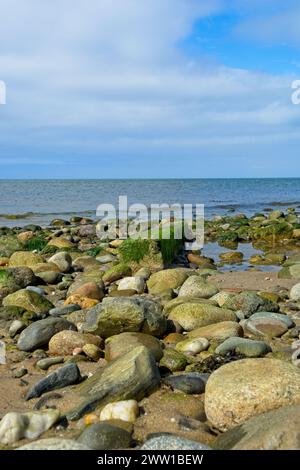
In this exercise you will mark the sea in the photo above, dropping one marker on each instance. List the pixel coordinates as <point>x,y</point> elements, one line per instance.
<point>23,202</point>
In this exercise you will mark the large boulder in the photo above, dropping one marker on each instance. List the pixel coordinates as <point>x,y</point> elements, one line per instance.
<point>39,333</point>
<point>195,315</point>
<point>275,430</point>
<point>29,300</point>
<point>239,390</point>
<point>131,376</point>
<point>118,315</point>
<point>197,286</point>
<point>118,345</point>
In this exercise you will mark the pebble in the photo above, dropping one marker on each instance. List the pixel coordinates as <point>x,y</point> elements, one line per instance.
<point>192,346</point>
<point>37,290</point>
<point>16,327</point>
<point>103,436</point>
<point>44,364</point>
<point>190,383</point>
<point>64,310</point>
<point>123,410</point>
<point>18,374</point>
<point>62,377</point>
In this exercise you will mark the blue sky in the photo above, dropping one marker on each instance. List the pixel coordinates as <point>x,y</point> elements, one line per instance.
<point>149,88</point>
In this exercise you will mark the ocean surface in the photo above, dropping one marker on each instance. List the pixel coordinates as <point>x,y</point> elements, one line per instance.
<point>40,201</point>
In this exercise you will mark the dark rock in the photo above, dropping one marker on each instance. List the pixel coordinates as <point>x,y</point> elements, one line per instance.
<point>62,377</point>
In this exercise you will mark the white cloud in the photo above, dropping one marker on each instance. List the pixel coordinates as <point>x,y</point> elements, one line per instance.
<point>107,76</point>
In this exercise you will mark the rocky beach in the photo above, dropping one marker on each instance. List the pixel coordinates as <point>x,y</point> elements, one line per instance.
<point>139,344</point>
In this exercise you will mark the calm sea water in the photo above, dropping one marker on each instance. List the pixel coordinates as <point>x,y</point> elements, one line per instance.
<point>48,199</point>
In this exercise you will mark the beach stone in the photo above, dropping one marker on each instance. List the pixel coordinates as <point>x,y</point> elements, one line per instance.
<point>44,364</point>
<point>172,442</point>
<point>92,351</point>
<point>118,315</point>
<point>127,410</point>
<point>197,286</point>
<point>239,390</point>
<point>143,272</point>
<point>103,436</point>
<point>190,382</point>
<point>64,310</point>
<point>105,259</point>
<point>295,292</point>
<point>165,402</point>
<point>39,333</point>
<point>118,345</point>
<point>173,360</point>
<point>16,327</point>
<point>194,315</point>
<point>131,376</point>
<point>61,242</point>
<point>200,260</point>
<point>167,279</point>
<point>192,346</point>
<point>63,260</point>
<point>275,316</point>
<point>136,283</point>
<point>171,304</point>
<point>22,277</point>
<point>122,293</point>
<point>37,290</point>
<point>50,277</point>
<point>249,303</point>
<point>17,426</point>
<point>28,300</point>
<point>62,377</point>
<point>221,298</point>
<point>275,430</point>
<point>265,326</point>
<point>86,263</point>
<point>116,272</point>
<point>55,443</point>
<point>44,268</point>
<point>218,332</point>
<point>90,290</point>
<point>8,245</point>
<point>25,236</point>
<point>246,347</point>
<point>25,258</point>
<point>82,302</point>
<point>64,342</point>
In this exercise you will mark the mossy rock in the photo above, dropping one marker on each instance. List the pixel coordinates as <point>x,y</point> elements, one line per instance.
<point>29,301</point>
<point>117,272</point>
<point>8,245</point>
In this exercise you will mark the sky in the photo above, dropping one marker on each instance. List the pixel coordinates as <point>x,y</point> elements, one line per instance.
<point>149,88</point>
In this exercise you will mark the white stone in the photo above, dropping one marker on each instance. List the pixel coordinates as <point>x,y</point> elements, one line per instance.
<point>124,410</point>
<point>2,353</point>
<point>192,346</point>
<point>17,426</point>
<point>136,282</point>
